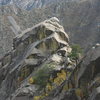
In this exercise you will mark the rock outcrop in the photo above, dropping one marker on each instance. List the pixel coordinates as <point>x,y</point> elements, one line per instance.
<point>80,19</point>
<point>45,43</point>
<point>39,67</point>
<point>84,82</point>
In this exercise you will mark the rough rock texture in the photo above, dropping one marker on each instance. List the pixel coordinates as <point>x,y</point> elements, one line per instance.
<point>84,82</point>
<point>80,19</point>
<point>42,44</point>
<point>47,44</point>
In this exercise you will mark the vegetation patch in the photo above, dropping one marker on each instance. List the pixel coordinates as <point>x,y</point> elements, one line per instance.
<point>42,75</point>
<point>76,52</point>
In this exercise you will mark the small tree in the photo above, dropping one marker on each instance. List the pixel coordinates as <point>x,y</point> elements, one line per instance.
<point>76,52</point>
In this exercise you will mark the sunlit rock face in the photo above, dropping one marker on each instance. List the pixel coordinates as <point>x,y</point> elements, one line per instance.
<point>35,47</point>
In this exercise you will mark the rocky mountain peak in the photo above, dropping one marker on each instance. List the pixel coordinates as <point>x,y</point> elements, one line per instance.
<point>44,43</point>
<point>40,63</point>
<point>39,67</point>
<point>80,19</point>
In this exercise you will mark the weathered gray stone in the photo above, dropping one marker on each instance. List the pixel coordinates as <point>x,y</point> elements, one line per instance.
<point>33,49</point>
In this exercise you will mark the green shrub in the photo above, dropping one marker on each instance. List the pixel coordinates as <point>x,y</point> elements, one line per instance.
<point>42,75</point>
<point>76,51</point>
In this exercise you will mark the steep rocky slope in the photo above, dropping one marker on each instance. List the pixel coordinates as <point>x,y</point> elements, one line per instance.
<point>84,81</point>
<point>40,58</point>
<point>80,18</point>
<point>27,4</point>
<point>39,46</point>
